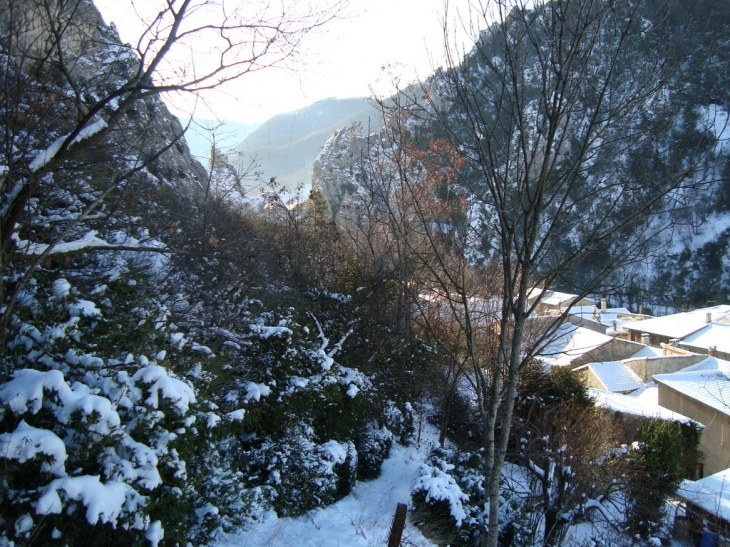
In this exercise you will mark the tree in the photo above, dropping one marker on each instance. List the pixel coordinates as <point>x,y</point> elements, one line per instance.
<point>563,115</point>
<point>562,139</point>
<point>72,92</point>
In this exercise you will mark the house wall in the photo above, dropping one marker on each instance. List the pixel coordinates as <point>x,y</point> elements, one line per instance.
<point>647,367</point>
<point>715,439</point>
<point>719,354</point>
<point>615,350</point>
<point>590,379</point>
<point>654,339</point>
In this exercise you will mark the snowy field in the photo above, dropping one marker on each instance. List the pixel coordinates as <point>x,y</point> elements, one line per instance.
<point>362,519</point>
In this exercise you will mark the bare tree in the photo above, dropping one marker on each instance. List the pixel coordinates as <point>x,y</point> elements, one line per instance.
<point>72,92</point>
<point>562,113</point>
<point>557,135</point>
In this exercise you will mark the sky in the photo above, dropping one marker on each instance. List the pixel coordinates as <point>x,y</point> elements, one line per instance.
<point>373,43</point>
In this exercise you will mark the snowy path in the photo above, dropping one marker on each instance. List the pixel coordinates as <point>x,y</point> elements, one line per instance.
<point>362,519</point>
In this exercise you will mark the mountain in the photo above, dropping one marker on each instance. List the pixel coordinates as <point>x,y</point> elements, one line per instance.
<point>676,131</point>
<point>228,134</point>
<point>286,145</point>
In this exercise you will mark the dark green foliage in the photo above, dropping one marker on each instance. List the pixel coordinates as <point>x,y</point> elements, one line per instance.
<point>654,472</point>
<point>373,447</point>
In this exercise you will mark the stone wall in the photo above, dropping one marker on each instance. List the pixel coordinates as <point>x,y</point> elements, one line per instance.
<point>647,367</point>
<point>615,350</point>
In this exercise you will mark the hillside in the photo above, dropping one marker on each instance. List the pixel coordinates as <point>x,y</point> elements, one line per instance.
<point>683,139</point>
<point>286,145</point>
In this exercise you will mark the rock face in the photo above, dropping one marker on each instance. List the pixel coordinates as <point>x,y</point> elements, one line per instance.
<point>55,78</point>
<point>337,171</point>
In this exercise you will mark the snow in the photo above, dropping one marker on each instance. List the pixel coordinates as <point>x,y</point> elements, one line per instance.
<point>26,442</point>
<point>256,391</point>
<point>61,288</point>
<point>26,392</point>
<point>180,393</point>
<point>648,351</point>
<point>83,308</point>
<point>103,501</point>
<point>570,343</point>
<point>441,486</point>
<point>643,402</point>
<point>45,156</point>
<point>266,332</point>
<point>154,533</point>
<point>87,241</point>
<point>710,493</point>
<point>361,519</point>
<point>553,298</point>
<point>616,376</point>
<point>714,334</point>
<point>679,325</point>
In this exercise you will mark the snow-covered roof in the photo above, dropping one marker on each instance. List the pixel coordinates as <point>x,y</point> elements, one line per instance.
<point>607,318</point>
<point>643,402</point>
<point>679,325</point>
<point>707,382</point>
<point>570,343</point>
<point>616,376</point>
<point>714,334</point>
<point>711,493</point>
<point>554,298</point>
<point>648,351</point>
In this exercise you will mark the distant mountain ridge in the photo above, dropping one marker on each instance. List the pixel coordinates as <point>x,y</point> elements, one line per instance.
<point>228,134</point>
<point>286,145</point>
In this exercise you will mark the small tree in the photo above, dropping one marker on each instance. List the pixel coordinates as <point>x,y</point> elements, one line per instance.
<point>654,473</point>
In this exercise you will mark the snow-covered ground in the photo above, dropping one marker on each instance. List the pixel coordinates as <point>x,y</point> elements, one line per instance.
<point>362,519</point>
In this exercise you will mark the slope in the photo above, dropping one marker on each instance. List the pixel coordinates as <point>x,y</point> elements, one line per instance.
<point>286,145</point>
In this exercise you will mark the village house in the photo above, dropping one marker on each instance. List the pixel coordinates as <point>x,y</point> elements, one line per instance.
<point>678,326</point>
<point>702,393</point>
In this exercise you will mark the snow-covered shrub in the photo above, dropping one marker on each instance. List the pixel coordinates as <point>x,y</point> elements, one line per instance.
<point>446,497</point>
<point>97,431</point>
<point>373,448</point>
<point>302,474</point>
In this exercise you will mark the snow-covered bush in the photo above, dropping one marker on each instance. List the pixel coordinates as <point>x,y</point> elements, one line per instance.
<point>302,474</point>
<point>373,448</point>
<point>97,431</point>
<point>446,497</point>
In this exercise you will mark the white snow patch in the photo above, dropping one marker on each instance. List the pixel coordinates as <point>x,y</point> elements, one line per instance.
<point>180,393</point>
<point>256,391</point>
<point>26,442</point>
<point>103,501</point>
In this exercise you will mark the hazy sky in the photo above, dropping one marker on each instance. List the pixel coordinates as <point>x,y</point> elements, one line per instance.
<point>376,41</point>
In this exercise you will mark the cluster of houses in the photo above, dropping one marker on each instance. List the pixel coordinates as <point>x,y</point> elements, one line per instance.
<point>675,367</point>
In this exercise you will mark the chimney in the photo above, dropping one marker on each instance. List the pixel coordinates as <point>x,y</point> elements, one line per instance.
<point>708,317</point>
<point>603,305</point>
<point>645,338</point>
<point>712,350</point>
